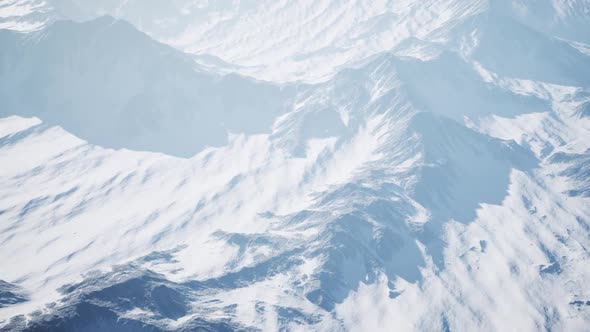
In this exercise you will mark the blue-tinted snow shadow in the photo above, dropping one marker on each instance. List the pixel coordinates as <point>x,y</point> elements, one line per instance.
<point>112,85</point>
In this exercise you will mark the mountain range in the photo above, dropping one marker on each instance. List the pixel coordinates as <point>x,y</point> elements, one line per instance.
<point>294,165</point>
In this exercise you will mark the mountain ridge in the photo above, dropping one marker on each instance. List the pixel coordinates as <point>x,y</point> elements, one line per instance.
<point>421,187</point>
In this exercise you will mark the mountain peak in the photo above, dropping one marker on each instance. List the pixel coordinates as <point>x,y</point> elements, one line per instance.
<point>324,165</point>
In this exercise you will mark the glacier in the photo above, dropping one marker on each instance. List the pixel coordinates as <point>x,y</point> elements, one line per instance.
<point>353,165</point>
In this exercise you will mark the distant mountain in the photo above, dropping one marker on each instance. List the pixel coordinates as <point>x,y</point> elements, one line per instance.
<point>300,40</point>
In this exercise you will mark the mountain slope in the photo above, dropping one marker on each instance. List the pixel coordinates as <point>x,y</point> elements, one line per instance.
<point>112,85</point>
<point>422,187</point>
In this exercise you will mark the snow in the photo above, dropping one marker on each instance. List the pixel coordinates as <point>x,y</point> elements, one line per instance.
<point>501,281</point>
<point>298,165</point>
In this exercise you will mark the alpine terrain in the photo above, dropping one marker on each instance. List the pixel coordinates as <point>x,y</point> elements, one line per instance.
<point>312,165</point>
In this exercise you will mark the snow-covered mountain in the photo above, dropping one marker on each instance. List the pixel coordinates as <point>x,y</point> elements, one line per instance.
<point>110,84</point>
<point>294,165</point>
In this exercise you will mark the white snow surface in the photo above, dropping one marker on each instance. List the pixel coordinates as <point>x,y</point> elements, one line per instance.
<point>307,40</point>
<point>422,169</point>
